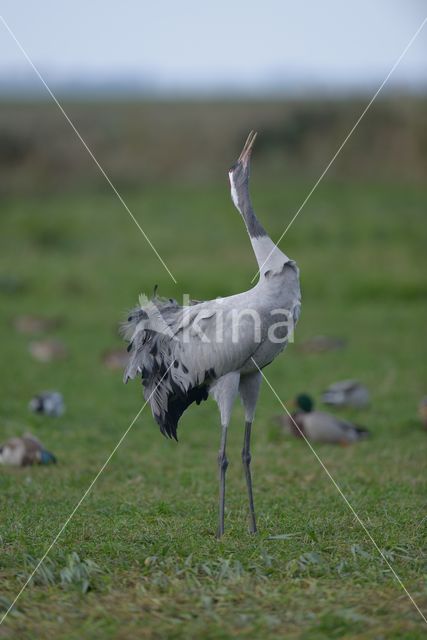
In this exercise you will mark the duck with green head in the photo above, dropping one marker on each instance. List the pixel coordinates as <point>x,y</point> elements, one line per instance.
<point>319,426</point>
<point>24,451</point>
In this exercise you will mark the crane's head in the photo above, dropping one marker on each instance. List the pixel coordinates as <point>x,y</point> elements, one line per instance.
<point>239,173</point>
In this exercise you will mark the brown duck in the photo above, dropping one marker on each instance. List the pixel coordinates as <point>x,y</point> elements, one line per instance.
<point>24,451</point>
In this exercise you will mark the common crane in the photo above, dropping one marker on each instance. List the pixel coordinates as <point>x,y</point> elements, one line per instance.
<point>186,353</point>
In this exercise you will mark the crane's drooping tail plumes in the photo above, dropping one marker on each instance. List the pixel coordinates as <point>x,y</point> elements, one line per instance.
<point>150,329</point>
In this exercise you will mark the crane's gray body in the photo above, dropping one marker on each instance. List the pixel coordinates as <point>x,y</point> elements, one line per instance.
<point>193,346</point>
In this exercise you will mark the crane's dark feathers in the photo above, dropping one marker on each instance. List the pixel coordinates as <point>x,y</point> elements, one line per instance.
<point>149,330</point>
<point>177,404</point>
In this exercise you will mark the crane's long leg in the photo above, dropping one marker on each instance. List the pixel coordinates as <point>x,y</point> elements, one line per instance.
<point>249,390</point>
<point>224,391</point>
<point>222,466</point>
<point>246,459</point>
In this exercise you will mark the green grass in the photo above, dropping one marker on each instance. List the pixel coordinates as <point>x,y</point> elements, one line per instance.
<point>139,558</point>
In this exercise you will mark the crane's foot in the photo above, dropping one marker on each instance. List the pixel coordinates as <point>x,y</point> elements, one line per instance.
<point>252,524</point>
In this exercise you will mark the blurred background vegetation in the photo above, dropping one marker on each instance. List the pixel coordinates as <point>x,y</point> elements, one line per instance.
<point>190,142</point>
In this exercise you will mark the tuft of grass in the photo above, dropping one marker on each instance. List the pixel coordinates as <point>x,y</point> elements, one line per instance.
<point>75,573</point>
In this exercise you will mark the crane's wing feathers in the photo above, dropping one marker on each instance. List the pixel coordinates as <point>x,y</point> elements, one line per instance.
<point>177,352</point>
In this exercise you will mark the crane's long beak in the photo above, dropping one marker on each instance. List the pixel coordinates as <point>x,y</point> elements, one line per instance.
<point>245,156</point>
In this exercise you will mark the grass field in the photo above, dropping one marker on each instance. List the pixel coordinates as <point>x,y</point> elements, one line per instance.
<point>148,563</point>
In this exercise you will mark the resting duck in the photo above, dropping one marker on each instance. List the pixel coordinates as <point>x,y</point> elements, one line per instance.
<point>318,426</point>
<point>346,393</point>
<point>21,452</point>
<point>50,403</point>
<point>422,410</point>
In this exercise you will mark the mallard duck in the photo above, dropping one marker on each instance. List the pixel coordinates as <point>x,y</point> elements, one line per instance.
<point>50,403</point>
<point>33,324</point>
<point>346,393</point>
<point>422,410</point>
<point>115,359</point>
<point>47,350</point>
<point>318,426</point>
<point>321,344</point>
<point>24,451</point>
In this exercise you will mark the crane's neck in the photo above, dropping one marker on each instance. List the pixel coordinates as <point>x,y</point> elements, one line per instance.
<point>268,255</point>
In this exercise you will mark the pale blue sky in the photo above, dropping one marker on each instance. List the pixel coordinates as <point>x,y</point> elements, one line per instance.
<point>189,43</point>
